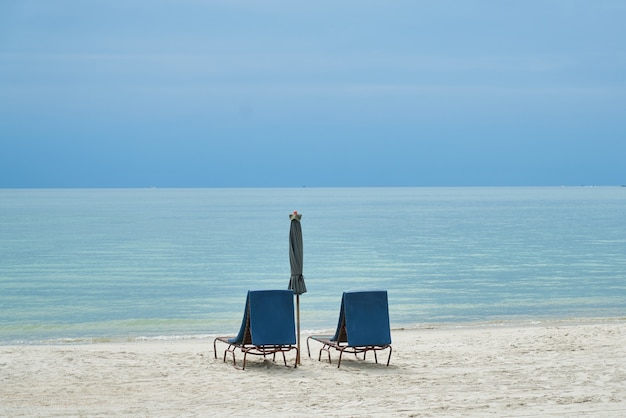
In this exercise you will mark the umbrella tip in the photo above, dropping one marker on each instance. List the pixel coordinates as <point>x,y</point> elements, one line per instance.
<point>295,215</point>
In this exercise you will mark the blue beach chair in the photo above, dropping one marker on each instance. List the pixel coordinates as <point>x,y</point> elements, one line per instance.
<point>268,326</point>
<point>363,326</point>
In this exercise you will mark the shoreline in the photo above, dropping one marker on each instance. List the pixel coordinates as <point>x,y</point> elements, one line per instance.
<point>559,368</point>
<point>486,324</point>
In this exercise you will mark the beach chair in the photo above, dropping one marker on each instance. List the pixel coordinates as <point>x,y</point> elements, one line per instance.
<point>363,326</point>
<point>268,326</point>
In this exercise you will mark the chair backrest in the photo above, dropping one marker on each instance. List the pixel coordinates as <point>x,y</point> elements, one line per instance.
<point>366,316</point>
<point>271,317</point>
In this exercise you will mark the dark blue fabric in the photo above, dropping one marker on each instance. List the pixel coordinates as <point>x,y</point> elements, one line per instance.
<point>272,317</point>
<point>242,330</point>
<point>296,258</point>
<point>341,323</point>
<point>367,318</point>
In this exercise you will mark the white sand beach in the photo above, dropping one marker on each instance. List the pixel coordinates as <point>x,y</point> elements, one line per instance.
<point>560,369</point>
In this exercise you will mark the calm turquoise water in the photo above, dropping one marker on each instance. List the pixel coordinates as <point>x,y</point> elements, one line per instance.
<point>84,265</point>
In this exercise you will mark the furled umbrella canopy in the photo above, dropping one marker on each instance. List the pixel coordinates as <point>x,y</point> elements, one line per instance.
<point>296,255</point>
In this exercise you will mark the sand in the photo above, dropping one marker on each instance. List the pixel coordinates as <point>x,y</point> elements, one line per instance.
<point>560,369</point>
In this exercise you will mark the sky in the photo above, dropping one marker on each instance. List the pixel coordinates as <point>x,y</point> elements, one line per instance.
<point>283,93</point>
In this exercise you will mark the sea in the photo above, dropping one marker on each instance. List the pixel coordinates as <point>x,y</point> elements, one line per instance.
<point>100,265</point>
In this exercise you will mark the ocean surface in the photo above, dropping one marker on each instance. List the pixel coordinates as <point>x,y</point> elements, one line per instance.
<point>89,265</point>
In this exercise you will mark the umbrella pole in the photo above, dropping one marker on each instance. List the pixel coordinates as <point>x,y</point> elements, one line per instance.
<point>298,326</point>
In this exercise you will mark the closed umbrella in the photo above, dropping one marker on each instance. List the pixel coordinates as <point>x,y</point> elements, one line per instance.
<point>296,259</point>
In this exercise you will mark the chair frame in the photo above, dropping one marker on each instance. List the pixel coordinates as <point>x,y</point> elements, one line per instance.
<point>256,350</point>
<point>343,347</point>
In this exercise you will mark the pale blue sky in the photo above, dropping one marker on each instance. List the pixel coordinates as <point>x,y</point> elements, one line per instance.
<point>329,93</point>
